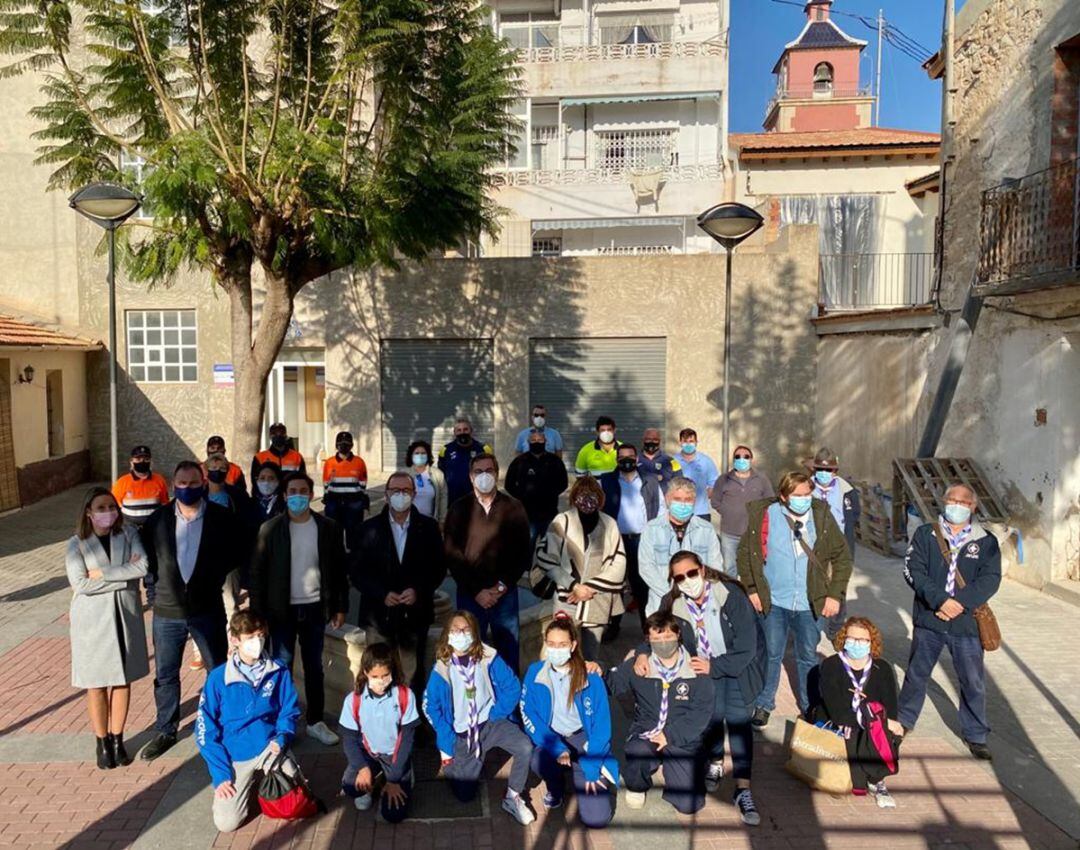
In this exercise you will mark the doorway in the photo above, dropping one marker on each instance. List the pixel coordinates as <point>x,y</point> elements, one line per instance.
<point>296,395</point>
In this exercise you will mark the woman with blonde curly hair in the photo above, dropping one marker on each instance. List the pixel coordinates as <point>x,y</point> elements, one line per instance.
<point>855,690</point>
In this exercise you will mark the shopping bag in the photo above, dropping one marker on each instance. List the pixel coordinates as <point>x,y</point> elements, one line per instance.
<point>819,758</point>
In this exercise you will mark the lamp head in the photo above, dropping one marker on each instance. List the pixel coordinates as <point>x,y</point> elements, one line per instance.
<point>106,204</point>
<point>730,223</point>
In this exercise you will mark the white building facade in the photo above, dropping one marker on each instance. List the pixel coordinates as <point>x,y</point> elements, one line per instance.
<point>624,126</point>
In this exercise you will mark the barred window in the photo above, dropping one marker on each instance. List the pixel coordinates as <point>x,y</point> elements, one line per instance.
<point>547,246</point>
<point>162,346</point>
<point>637,148</point>
<point>136,167</point>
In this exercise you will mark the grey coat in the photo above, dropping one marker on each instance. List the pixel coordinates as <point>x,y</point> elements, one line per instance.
<point>108,637</point>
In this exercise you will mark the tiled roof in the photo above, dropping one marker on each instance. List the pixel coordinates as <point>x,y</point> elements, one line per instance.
<point>25,335</point>
<point>824,34</point>
<point>868,137</point>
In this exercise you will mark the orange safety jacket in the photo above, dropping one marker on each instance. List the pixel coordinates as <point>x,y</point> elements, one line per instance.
<point>291,461</point>
<point>140,497</point>
<point>344,476</point>
<point>232,475</point>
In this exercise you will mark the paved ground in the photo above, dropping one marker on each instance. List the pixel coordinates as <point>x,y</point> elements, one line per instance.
<point>52,796</point>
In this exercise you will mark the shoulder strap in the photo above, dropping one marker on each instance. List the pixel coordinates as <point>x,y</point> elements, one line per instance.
<point>802,542</point>
<point>943,545</point>
<point>403,699</point>
<point>356,708</point>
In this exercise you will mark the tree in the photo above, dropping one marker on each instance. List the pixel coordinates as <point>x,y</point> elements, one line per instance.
<point>295,137</point>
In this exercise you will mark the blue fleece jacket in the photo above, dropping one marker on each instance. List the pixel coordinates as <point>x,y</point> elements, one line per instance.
<point>439,701</point>
<point>595,714</point>
<point>237,720</point>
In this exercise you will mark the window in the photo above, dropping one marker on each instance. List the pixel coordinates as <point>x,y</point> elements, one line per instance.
<point>519,158</point>
<point>637,148</point>
<point>136,168</point>
<point>638,29</point>
<point>545,148</point>
<point>547,246</point>
<point>529,30</point>
<point>823,78</point>
<point>162,346</point>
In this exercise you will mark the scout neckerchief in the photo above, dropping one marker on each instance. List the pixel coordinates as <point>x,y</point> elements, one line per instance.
<point>857,683</point>
<point>667,676</point>
<point>467,666</point>
<point>698,612</point>
<point>956,543</point>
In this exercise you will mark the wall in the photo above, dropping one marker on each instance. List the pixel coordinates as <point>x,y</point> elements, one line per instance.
<point>28,403</point>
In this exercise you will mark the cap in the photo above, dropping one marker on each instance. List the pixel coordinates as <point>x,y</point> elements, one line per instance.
<point>215,440</point>
<point>141,451</point>
<point>825,459</point>
<point>278,426</point>
<point>343,435</point>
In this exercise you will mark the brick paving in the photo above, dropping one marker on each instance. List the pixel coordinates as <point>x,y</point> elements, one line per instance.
<point>51,795</point>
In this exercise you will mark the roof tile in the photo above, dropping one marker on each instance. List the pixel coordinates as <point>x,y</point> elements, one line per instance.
<point>832,139</point>
<point>25,335</point>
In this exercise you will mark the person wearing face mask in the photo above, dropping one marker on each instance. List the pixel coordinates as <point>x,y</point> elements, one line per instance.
<point>431,495</point>
<point>105,560</point>
<point>553,441</point>
<point>235,500</point>
<point>855,691</point>
<point>234,475</point>
<point>486,545</point>
<point>598,456</point>
<point>843,502</point>
<point>537,479</point>
<point>345,496</point>
<point>699,468</point>
<point>582,557</point>
<point>564,709</point>
<point>299,582</point>
<point>795,564</point>
<point>280,453</point>
<point>675,530</point>
<point>672,707</point>
<point>378,721</point>
<point>247,718</point>
<point>654,463</point>
<point>733,491</point>
<point>191,546</point>
<point>141,491</point>
<point>397,567</point>
<point>456,457</point>
<point>269,500</point>
<point>954,566</point>
<point>470,701</point>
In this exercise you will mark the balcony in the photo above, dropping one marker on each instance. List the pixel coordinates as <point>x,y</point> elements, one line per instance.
<point>875,281</point>
<point>816,92</point>
<point>548,41</point>
<point>619,174</point>
<point>1030,232</point>
<point>607,52</point>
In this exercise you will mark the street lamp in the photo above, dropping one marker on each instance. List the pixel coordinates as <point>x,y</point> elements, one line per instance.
<point>729,224</point>
<point>108,206</point>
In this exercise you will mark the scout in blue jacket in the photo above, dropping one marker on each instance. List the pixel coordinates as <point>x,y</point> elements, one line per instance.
<point>954,566</point>
<point>469,701</point>
<point>565,711</point>
<point>378,724</point>
<point>247,716</point>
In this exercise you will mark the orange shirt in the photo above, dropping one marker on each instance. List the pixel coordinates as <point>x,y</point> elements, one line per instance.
<point>291,461</point>
<point>344,477</point>
<point>140,497</point>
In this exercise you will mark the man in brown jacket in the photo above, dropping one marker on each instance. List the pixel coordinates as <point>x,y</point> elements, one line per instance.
<point>795,564</point>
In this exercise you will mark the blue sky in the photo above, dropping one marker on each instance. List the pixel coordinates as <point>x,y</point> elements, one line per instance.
<point>761,28</point>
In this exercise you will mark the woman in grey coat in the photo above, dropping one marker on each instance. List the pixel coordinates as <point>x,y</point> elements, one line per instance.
<point>105,560</point>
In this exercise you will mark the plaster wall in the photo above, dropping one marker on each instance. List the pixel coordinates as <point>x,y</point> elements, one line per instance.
<point>29,410</point>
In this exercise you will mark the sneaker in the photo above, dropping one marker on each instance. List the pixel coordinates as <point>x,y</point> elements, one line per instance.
<point>363,802</point>
<point>321,733</point>
<point>714,774</point>
<point>551,801</point>
<point>980,751</point>
<point>196,663</point>
<point>882,796</point>
<point>514,805</point>
<point>760,718</point>
<point>744,800</point>
<point>635,799</point>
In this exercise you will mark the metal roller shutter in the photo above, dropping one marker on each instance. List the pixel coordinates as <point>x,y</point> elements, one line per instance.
<point>582,378</point>
<point>426,384</point>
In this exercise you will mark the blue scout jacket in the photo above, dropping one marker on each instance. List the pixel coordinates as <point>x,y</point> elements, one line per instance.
<point>237,720</point>
<point>592,706</point>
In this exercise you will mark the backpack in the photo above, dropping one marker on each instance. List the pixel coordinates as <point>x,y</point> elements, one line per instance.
<point>285,797</point>
<point>403,704</point>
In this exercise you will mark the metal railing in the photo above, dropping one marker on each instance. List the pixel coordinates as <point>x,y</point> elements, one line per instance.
<point>1030,230</point>
<point>604,52</point>
<point>637,148</point>
<point>811,91</point>
<point>580,176</point>
<point>875,281</point>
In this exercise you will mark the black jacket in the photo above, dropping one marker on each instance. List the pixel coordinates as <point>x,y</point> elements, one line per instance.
<point>650,492</point>
<point>375,571</point>
<point>690,703</point>
<point>221,550</point>
<point>537,481</point>
<point>271,568</point>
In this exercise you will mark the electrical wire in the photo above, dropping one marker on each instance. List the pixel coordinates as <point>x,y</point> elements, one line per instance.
<point>1001,309</point>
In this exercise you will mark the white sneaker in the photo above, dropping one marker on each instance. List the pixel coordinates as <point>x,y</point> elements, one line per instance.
<point>321,733</point>
<point>714,775</point>
<point>363,802</point>
<point>882,796</point>
<point>635,799</point>
<point>515,805</point>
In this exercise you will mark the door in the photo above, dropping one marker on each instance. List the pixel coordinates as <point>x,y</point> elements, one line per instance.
<point>9,483</point>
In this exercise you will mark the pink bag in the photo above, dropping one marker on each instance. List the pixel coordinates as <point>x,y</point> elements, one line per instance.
<point>877,727</point>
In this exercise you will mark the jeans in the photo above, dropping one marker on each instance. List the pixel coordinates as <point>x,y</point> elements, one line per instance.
<point>729,547</point>
<point>684,774</point>
<point>170,634</point>
<point>967,657</point>
<point>595,810</point>
<point>807,628</point>
<point>501,619</point>
<point>308,625</point>
<point>638,588</point>
<point>730,711</point>
<point>349,514</point>
<point>464,771</point>
<point>389,813</point>
<point>537,529</point>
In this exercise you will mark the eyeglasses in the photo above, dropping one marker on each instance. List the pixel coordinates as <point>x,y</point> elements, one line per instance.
<point>860,641</point>
<point>742,457</point>
<point>694,573</point>
<point>399,490</point>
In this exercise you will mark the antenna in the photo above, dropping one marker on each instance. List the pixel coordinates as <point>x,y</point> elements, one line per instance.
<point>877,67</point>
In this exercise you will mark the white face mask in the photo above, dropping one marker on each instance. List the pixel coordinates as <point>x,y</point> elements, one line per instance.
<point>401,501</point>
<point>252,647</point>
<point>379,686</point>
<point>558,655</point>
<point>267,488</point>
<point>538,421</point>
<point>485,482</point>
<point>692,587</point>
<point>607,436</point>
<point>461,641</point>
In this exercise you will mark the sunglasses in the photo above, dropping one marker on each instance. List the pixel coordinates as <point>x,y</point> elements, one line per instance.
<point>694,573</point>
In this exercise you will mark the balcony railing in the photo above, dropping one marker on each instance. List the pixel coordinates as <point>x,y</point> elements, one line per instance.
<point>875,281</point>
<point>605,52</point>
<point>581,176</point>
<point>806,92</point>
<point>1030,231</point>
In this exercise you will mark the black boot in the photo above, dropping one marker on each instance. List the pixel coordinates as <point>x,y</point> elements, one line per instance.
<point>104,754</point>
<point>116,747</point>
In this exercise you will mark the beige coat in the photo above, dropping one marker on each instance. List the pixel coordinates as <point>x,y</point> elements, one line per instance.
<point>563,557</point>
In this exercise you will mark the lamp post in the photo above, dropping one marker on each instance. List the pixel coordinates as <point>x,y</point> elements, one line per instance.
<point>729,224</point>
<point>108,206</point>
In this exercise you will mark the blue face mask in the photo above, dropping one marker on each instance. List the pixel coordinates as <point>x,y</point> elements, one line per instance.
<point>856,650</point>
<point>681,511</point>
<point>419,459</point>
<point>298,503</point>
<point>188,495</point>
<point>823,476</point>
<point>800,504</point>
<point>958,514</point>
<point>689,448</point>
<point>742,464</point>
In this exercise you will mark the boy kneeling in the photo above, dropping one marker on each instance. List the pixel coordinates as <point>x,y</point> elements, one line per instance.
<point>247,716</point>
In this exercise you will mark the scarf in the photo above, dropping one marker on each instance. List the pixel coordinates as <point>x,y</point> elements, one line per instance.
<point>252,672</point>
<point>267,502</point>
<point>858,683</point>
<point>667,676</point>
<point>956,543</point>
<point>698,612</point>
<point>467,666</point>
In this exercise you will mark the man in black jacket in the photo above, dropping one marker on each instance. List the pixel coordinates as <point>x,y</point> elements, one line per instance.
<point>397,568</point>
<point>191,545</point>
<point>299,583</point>
<point>537,478</point>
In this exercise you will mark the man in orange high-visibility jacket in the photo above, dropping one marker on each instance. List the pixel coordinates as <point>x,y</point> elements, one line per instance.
<point>234,475</point>
<point>345,496</point>
<point>281,454</point>
<point>142,491</point>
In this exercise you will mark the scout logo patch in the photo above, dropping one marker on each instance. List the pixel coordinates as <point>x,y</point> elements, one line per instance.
<point>682,691</point>
<point>268,689</point>
<point>973,550</point>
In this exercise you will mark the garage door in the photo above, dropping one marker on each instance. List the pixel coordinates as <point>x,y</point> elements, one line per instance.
<point>426,384</point>
<point>582,378</point>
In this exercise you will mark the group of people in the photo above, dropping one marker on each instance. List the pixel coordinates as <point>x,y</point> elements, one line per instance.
<point>716,609</point>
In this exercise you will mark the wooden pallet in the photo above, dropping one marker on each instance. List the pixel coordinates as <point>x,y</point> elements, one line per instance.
<point>873,529</point>
<point>922,482</point>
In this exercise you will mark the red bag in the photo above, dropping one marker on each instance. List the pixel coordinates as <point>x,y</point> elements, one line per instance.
<point>285,797</point>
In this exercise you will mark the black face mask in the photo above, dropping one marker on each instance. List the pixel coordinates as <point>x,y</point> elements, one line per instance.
<point>279,441</point>
<point>463,439</point>
<point>344,448</point>
<point>627,464</point>
<point>537,448</point>
<point>651,448</point>
<point>142,467</point>
<point>217,476</point>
